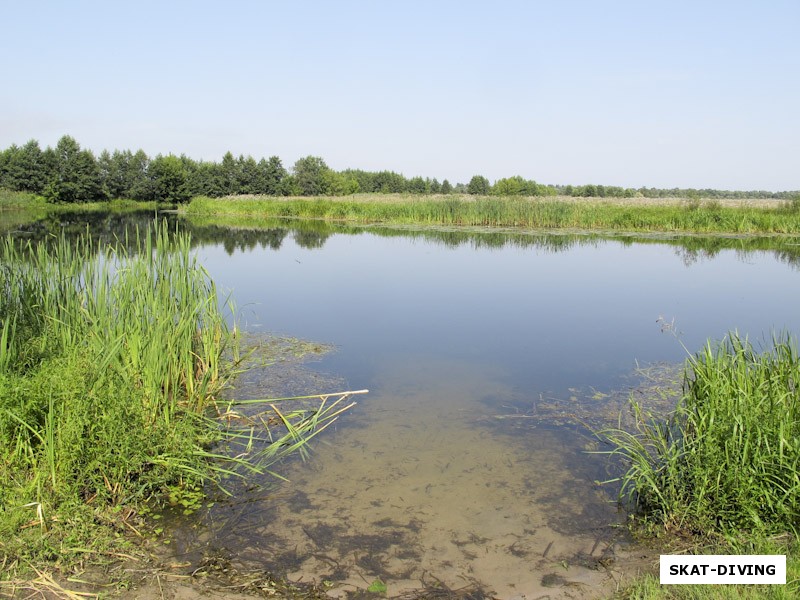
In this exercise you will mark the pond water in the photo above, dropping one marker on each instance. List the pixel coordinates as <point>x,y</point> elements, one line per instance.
<point>486,358</point>
<point>489,358</point>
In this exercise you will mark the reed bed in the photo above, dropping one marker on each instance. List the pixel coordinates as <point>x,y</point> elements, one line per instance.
<point>111,361</point>
<point>728,460</point>
<point>108,362</point>
<point>530,213</point>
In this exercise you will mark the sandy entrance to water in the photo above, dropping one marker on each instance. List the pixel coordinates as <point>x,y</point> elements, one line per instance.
<point>419,490</point>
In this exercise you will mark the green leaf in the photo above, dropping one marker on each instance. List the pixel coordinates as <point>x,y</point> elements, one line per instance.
<point>377,587</point>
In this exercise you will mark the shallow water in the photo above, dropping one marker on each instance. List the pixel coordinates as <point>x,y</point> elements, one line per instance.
<point>424,485</point>
<point>467,463</point>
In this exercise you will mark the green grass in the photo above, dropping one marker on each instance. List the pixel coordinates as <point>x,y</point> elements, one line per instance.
<point>112,357</point>
<point>728,460</point>
<point>725,467</point>
<point>531,213</point>
<point>108,361</point>
<point>648,587</point>
<point>17,200</point>
<point>10,200</point>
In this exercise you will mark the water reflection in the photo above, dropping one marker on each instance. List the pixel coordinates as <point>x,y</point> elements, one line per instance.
<point>690,249</point>
<point>272,233</point>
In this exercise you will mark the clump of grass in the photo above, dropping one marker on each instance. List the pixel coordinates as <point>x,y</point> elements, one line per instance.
<point>108,361</point>
<point>16,200</point>
<point>728,459</point>
<point>111,361</point>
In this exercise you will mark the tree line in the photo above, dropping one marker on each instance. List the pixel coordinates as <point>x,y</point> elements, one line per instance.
<point>68,173</point>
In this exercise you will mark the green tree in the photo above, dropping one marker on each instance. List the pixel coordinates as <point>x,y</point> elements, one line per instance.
<point>205,179</point>
<point>310,176</point>
<point>76,177</point>
<point>271,174</point>
<point>289,186</point>
<point>170,179</point>
<point>416,185</point>
<point>230,175</point>
<point>248,175</point>
<point>340,184</point>
<point>365,179</point>
<point>447,188</point>
<point>26,168</point>
<point>478,185</point>
<point>510,186</point>
<point>112,169</point>
<point>389,182</point>
<point>139,183</point>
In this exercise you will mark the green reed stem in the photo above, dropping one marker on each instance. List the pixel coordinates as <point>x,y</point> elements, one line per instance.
<point>728,459</point>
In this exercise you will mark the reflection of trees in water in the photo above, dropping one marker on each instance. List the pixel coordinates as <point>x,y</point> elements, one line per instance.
<point>248,239</point>
<point>118,229</point>
<point>791,258</point>
<point>692,250</point>
<point>310,239</point>
<point>235,239</point>
<point>111,228</point>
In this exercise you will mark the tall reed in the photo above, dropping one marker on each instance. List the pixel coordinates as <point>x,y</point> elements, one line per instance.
<point>111,360</point>
<point>513,212</point>
<point>109,357</point>
<point>151,311</point>
<point>729,457</point>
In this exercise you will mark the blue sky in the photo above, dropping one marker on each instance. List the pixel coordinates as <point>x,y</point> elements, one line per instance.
<point>678,94</point>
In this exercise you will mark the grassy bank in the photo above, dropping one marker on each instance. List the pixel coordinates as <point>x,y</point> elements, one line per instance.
<point>107,363</point>
<point>111,361</point>
<point>10,200</point>
<point>532,213</point>
<point>724,470</point>
<point>19,200</point>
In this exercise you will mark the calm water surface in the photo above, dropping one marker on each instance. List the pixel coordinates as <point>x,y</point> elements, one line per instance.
<point>466,464</point>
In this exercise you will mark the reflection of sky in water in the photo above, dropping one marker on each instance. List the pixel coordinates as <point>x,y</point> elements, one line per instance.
<point>458,461</point>
<point>547,320</point>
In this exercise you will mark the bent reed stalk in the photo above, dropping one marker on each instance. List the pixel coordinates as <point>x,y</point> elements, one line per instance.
<point>521,212</point>
<point>111,362</point>
<point>728,459</point>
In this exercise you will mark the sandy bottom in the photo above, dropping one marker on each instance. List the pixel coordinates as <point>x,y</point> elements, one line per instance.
<point>418,490</point>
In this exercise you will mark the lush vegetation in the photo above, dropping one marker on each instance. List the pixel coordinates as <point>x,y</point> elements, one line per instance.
<point>111,360</point>
<point>107,362</point>
<point>68,173</point>
<point>727,460</point>
<point>725,467</point>
<point>709,217</point>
